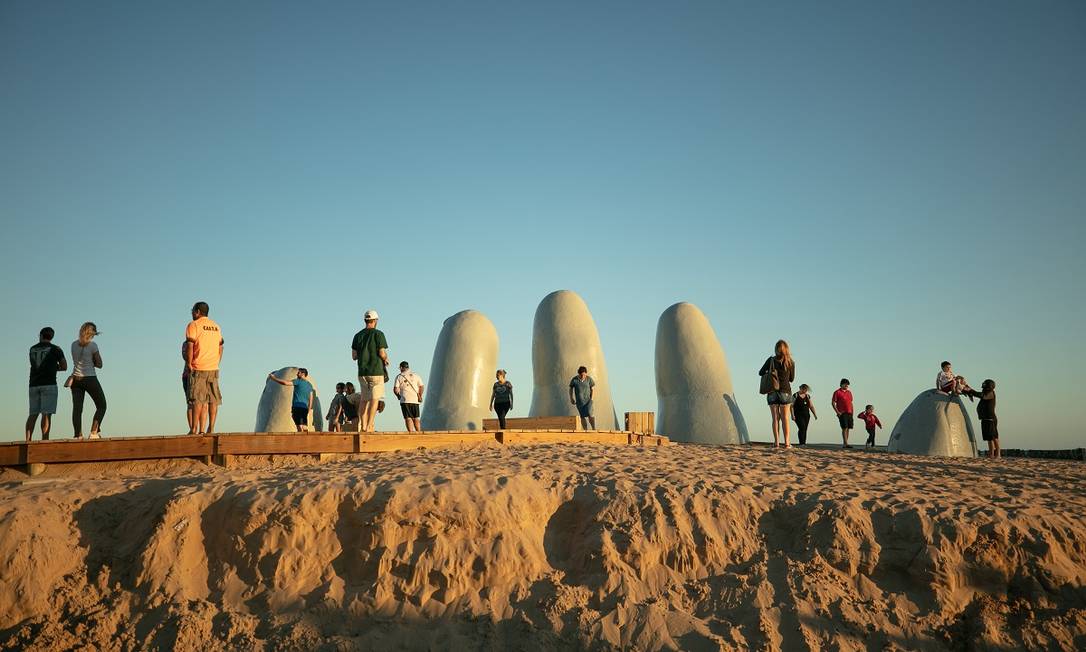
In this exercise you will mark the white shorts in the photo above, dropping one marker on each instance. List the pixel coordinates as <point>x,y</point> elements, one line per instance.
<point>371,388</point>
<point>43,399</point>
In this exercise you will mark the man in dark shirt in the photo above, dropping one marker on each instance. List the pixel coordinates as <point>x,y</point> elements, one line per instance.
<point>46,359</point>
<point>986,412</point>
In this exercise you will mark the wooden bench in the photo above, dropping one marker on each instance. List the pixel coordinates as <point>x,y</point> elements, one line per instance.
<point>534,423</point>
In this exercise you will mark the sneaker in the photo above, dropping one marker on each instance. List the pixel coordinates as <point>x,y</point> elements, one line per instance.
<point>96,435</point>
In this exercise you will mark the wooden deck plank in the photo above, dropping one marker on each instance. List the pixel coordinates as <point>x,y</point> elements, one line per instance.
<point>593,437</point>
<point>534,423</point>
<point>205,446</point>
<point>377,442</point>
<point>300,443</point>
<point>118,448</point>
<point>13,454</point>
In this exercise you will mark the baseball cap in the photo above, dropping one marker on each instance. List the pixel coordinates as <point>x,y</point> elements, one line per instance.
<point>370,314</point>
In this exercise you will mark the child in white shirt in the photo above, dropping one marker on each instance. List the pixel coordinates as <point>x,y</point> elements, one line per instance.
<point>946,382</point>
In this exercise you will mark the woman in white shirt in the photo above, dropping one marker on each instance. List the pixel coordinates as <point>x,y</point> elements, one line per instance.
<point>84,381</point>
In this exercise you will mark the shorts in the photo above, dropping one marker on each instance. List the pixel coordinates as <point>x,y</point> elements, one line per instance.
<point>989,429</point>
<point>204,387</point>
<point>779,398</point>
<point>846,421</point>
<point>300,415</point>
<point>186,384</point>
<point>43,399</point>
<point>585,410</point>
<point>410,410</point>
<point>371,388</point>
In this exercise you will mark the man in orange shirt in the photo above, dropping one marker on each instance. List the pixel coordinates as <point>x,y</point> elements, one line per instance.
<point>203,351</point>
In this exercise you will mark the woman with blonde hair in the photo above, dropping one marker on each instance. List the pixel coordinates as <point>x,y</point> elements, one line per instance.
<point>84,380</point>
<point>781,371</point>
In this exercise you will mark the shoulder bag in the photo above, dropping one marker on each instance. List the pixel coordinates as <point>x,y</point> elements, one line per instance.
<point>770,382</point>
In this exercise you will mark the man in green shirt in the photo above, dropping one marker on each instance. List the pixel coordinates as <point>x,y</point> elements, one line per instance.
<point>370,349</point>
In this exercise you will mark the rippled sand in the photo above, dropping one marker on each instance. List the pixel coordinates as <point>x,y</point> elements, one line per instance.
<point>549,547</point>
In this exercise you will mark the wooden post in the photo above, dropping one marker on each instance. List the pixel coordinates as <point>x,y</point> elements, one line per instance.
<point>225,461</point>
<point>641,422</point>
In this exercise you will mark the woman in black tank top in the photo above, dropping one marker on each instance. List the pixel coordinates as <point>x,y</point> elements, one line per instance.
<point>802,409</point>
<point>501,397</point>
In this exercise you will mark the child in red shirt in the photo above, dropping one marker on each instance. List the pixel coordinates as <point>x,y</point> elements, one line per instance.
<point>869,418</point>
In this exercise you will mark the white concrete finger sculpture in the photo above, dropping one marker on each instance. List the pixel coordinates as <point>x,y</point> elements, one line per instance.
<point>696,401</point>
<point>934,424</point>
<point>564,337</point>
<point>462,374</point>
<point>273,411</point>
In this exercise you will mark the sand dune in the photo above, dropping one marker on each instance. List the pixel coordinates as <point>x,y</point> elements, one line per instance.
<point>549,547</point>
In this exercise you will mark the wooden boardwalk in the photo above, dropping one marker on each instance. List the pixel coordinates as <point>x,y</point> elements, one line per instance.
<point>221,448</point>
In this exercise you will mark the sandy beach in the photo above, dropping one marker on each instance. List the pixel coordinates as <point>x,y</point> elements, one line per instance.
<point>548,547</point>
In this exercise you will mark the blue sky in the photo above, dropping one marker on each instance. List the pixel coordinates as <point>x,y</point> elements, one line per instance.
<point>885,186</point>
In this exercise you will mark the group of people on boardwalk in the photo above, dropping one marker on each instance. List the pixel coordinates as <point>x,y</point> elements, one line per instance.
<point>358,410</point>
<point>46,361</point>
<point>779,372</point>
<point>407,387</point>
<point>202,351</point>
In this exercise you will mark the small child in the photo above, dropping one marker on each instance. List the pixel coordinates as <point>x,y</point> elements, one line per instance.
<point>869,418</point>
<point>946,382</point>
<point>962,387</point>
<point>336,413</point>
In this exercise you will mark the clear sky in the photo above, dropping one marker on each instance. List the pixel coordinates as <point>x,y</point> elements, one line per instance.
<point>885,185</point>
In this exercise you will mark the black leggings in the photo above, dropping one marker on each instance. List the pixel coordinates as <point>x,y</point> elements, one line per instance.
<point>502,409</point>
<point>81,386</point>
<point>870,437</point>
<point>802,421</point>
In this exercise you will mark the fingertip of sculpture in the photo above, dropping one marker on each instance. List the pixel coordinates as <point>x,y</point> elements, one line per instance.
<point>465,357</point>
<point>935,423</point>
<point>695,399</point>
<point>565,337</point>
